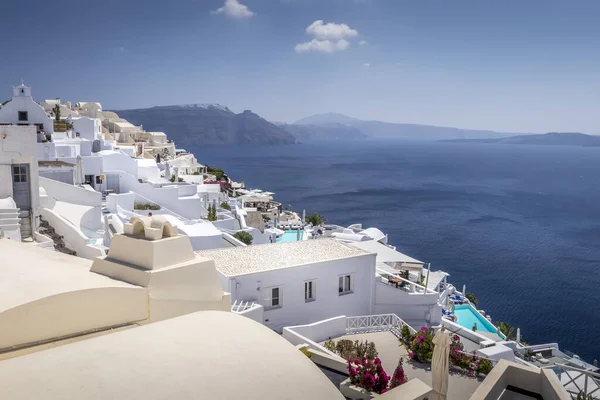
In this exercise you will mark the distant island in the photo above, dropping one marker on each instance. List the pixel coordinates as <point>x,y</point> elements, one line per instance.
<point>351,128</point>
<point>194,124</point>
<point>547,139</point>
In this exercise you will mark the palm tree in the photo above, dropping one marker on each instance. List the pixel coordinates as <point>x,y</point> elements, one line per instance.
<point>505,328</point>
<point>315,219</point>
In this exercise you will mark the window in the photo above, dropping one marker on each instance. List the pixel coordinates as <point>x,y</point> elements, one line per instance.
<point>98,180</point>
<point>19,174</point>
<point>310,289</point>
<point>345,284</point>
<point>275,297</point>
<point>23,116</point>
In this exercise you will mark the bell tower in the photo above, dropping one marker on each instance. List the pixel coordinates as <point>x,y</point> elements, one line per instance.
<point>21,90</point>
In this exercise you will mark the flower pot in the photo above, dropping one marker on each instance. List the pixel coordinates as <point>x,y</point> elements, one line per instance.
<point>354,392</point>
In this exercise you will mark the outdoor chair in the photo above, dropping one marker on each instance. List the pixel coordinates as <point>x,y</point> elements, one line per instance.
<point>541,358</point>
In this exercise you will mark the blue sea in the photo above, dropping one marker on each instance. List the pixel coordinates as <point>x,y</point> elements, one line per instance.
<point>519,225</point>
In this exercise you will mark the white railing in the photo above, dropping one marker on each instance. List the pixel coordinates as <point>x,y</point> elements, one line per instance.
<point>376,323</point>
<point>413,284</point>
<point>238,307</point>
<point>579,381</point>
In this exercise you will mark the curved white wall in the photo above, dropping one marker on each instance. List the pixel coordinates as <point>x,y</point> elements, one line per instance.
<point>72,236</point>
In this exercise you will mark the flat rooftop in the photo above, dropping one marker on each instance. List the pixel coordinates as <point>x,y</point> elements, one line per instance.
<point>385,253</point>
<point>265,257</point>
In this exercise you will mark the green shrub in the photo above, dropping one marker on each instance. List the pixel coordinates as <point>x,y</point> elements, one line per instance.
<point>421,347</point>
<point>485,366</point>
<point>371,351</point>
<point>472,298</point>
<point>329,345</point>
<point>217,172</point>
<point>306,352</point>
<point>225,206</point>
<point>407,336</point>
<point>212,211</point>
<point>266,218</point>
<point>146,206</point>
<point>243,237</point>
<point>315,219</point>
<point>345,349</point>
<point>196,173</point>
<point>179,179</point>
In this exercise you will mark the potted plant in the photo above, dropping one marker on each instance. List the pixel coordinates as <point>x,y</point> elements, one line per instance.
<point>368,379</point>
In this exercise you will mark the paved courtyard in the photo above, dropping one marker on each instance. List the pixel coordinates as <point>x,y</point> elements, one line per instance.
<point>460,387</point>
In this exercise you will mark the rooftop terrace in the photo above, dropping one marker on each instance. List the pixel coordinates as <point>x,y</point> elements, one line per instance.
<point>264,257</point>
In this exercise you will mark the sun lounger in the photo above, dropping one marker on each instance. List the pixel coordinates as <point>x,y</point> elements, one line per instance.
<point>541,358</point>
<point>457,299</point>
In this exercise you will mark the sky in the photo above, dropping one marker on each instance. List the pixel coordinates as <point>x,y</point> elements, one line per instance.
<point>508,65</point>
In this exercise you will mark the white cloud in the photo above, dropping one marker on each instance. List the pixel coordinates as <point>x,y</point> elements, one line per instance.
<point>330,31</point>
<point>366,65</point>
<point>328,38</point>
<point>323,46</point>
<point>363,42</point>
<point>234,9</point>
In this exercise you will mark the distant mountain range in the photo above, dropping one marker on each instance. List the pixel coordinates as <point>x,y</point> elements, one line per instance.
<point>389,130</point>
<point>193,124</point>
<point>550,139</point>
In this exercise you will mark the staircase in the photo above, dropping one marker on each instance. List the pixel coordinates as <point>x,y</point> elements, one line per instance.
<point>9,224</point>
<point>59,244</point>
<point>25,221</point>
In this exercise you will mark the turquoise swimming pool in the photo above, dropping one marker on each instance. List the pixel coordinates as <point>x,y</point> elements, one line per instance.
<point>467,317</point>
<point>290,236</point>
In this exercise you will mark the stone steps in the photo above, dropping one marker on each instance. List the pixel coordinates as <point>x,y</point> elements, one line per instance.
<point>10,224</point>
<point>59,244</point>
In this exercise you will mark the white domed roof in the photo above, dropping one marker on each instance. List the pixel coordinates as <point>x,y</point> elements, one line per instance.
<point>373,233</point>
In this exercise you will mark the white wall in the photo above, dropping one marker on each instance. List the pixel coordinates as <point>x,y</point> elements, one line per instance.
<point>123,200</point>
<point>71,194</point>
<point>190,208</point>
<point>328,302</point>
<point>72,236</point>
<point>147,170</point>
<point>407,306</point>
<point>46,151</point>
<point>116,161</point>
<point>64,195</point>
<point>88,128</point>
<point>321,330</point>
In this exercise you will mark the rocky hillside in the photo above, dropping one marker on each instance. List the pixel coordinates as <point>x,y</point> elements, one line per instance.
<point>208,124</point>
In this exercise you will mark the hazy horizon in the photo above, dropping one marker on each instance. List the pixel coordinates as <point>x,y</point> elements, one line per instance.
<point>522,67</point>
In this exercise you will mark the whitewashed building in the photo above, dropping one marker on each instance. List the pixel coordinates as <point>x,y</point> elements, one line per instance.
<point>22,110</point>
<point>299,282</point>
